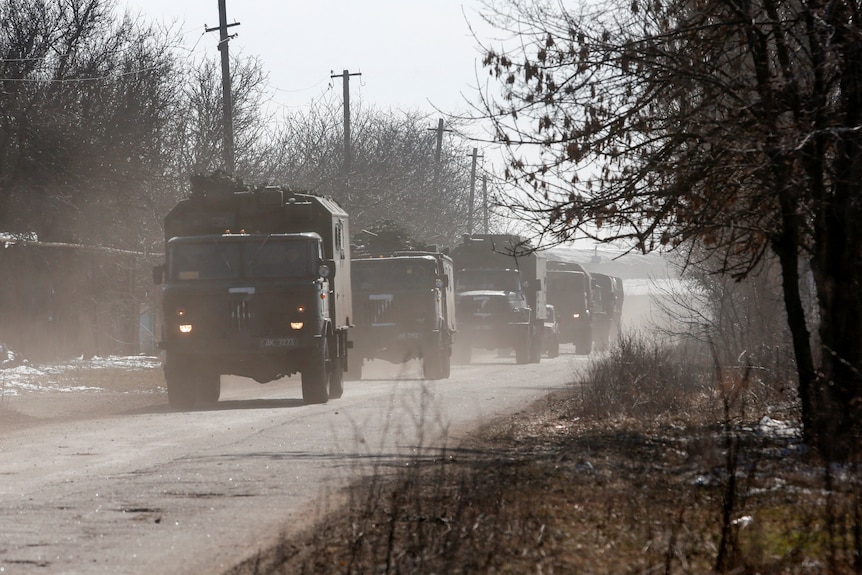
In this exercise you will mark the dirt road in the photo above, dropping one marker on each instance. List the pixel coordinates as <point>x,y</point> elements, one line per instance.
<point>115,482</point>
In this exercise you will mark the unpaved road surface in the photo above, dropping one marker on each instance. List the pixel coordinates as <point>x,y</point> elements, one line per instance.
<point>102,482</point>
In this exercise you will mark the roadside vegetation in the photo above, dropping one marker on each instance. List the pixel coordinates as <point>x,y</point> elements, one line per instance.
<point>651,464</point>
<point>679,450</point>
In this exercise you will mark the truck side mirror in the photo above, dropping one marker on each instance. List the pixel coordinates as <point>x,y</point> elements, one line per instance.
<point>158,274</point>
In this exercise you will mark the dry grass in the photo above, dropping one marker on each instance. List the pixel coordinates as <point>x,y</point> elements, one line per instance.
<point>601,480</point>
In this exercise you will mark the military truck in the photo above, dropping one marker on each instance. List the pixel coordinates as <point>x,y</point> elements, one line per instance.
<point>569,291</point>
<point>607,305</point>
<point>256,283</point>
<point>500,282</point>
<point>404,309</point>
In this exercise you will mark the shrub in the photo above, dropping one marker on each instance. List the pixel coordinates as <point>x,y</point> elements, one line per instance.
<point>640,377</point>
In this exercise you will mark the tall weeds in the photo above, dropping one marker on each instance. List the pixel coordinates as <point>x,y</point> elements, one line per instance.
<point>640,377</point>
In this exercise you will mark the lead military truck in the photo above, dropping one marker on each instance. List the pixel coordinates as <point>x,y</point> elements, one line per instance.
<point>500,296</point>
<point>256,283</point>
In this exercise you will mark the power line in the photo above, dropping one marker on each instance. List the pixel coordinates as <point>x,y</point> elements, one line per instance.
<point>84,79</point>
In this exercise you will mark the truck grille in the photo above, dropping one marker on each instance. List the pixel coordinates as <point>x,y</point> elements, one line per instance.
<point>239,312</point>
<point>377,310</point>
<point>392,309</point>
<point>483,306</point>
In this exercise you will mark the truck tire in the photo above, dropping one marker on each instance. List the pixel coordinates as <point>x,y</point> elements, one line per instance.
<point>209,387</point>
<point>536,346</point>
<point>584,344</point>
<point>315,377</point>
<point>435,362</point>
<point>181,382</point>
<point>553,347</point>
<point>336,379</point>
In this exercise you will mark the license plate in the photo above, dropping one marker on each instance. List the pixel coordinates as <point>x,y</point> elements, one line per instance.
<point>279,342</point>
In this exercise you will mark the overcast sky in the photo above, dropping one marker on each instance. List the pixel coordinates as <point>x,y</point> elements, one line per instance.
<point>412,54</point>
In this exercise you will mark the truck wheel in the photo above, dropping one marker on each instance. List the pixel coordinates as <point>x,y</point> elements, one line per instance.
<point>209,387</point>
<point>535,346</point>
<point>181,382</point>
<point>554,348</point>
<point>433,362</point>
<point>315,378</point>
<point>584,345</point>
<point>336,379</point>
<point>447,361</point>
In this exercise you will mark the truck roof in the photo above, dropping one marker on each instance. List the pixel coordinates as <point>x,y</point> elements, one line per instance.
<point>250,237</point>
<point>429,257</point>
<point>214,208</point>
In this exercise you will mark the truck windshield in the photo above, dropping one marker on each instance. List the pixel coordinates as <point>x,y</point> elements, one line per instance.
<point>493,280</point>
<point>266,258</point>
<point>273,257</point>
<point>392,274</point>
<point>205,261</point>
<point>567,291</point>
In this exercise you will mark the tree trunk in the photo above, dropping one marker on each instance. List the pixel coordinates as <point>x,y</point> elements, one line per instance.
<point>786,249</point>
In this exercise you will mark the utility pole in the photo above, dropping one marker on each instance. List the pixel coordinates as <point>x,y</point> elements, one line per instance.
<point>227,104</point>
<point>485,203</point>
<point>437,154</point>
<point>475,155</point>
<point>439,149</point>
<point>345,81</point>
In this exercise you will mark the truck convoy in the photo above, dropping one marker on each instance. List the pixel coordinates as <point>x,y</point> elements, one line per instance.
<point>569,291</point>
<point>404,307</point>
<point>256,283</point>
<point>500,282</point>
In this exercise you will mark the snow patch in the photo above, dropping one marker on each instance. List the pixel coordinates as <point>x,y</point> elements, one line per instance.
<point>768,427</point>
<point>27,378</point>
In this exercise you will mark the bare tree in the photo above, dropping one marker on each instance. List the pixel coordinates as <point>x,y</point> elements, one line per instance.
<point>393,170</point>
<point>87,102</point>
<point>201,126</point>
<point>731,124</point>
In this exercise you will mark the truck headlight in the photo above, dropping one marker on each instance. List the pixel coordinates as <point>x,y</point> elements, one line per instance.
<point>296,325</point>
<point>185,328</point>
